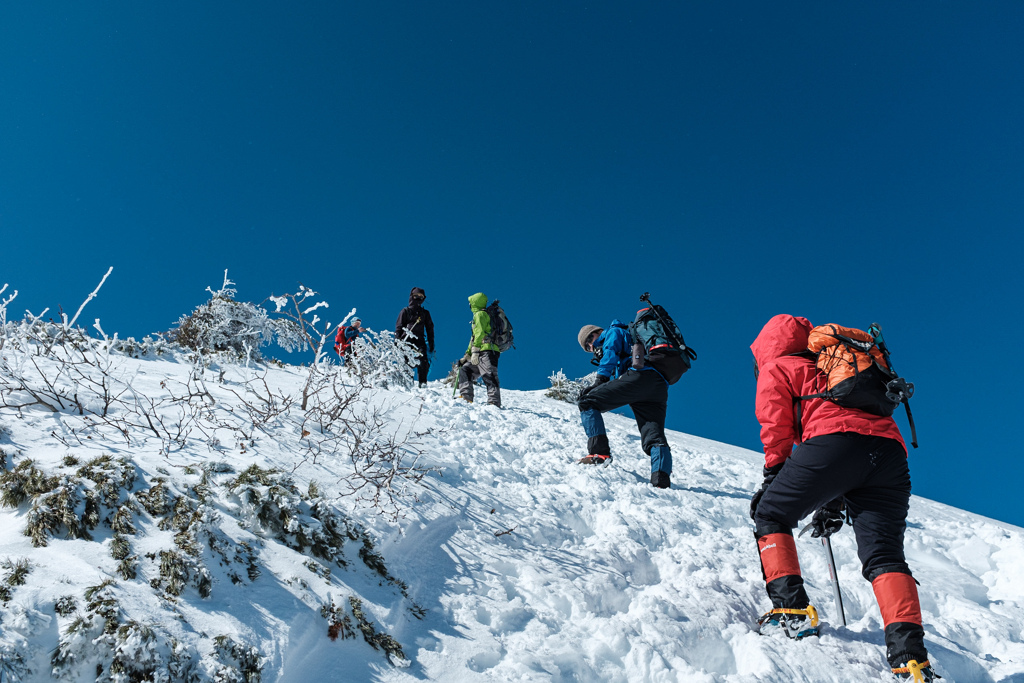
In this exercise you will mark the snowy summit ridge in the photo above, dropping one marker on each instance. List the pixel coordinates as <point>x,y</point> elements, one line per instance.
<point>235,555</point>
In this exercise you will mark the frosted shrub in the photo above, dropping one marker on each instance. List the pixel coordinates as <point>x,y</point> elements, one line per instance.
<point>240,664</point>
<point>15,573</point>
<point>568,390</point>
<point>119,650</point>
<point>271,504</point>
<point>377,640</point>
<point>12,663</point>
<point>147,347</point>
<point>66,503</point>
<point>239,328</point>
<point>378,359</point>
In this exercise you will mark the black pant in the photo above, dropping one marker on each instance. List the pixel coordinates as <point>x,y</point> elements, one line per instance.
<point>645,392</point>
<point>871,474</point>
<point>423,365</point>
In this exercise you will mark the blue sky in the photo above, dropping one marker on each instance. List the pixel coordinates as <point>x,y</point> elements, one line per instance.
<point>737,160</point>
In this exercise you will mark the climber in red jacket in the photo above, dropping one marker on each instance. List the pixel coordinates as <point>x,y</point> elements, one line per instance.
<point>843,458</point>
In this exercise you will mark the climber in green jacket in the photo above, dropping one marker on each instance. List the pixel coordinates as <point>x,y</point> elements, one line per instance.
<point>481,359</point>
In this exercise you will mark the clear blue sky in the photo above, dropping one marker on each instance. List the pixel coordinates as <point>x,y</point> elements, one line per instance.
<point>851,164</point>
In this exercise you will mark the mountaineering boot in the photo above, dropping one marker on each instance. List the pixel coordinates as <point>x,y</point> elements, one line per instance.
<point>596,460</point>
<point>919,672</point>
<point>792,622</point>
<point>661,466</point>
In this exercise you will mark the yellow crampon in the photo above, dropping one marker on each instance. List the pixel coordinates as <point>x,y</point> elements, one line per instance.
<point>810,612</point>
<point>914,669</point>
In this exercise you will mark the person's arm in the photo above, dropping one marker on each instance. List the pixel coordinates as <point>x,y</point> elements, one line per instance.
<point>776,413</point>
<point>611,345</point>
<point>428,325</point>
<point>400,325</point>
<point>481,329</point>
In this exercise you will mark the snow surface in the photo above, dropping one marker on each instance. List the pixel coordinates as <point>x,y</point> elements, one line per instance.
<point>533,568</point>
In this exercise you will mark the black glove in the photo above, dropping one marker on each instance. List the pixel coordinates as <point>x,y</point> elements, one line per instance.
<point>769,476</point>
<point>828,519</point>
<point>600,379</point>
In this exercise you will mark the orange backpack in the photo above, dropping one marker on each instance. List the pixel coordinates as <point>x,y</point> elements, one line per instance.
<point>857,371</point>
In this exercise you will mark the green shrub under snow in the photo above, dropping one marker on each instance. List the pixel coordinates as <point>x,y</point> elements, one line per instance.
<point>106,493</point>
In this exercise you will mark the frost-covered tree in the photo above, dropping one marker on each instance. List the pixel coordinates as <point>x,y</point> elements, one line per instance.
<point>239,328</point>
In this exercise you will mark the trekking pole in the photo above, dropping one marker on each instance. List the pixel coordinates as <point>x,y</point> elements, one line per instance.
<point>834,575</point>
<point>906,390</point>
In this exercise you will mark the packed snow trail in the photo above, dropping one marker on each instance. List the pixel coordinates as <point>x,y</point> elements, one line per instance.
<point>539,569</point>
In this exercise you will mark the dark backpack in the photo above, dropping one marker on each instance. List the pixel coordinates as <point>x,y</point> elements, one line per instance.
<point>501,328</point>
<point>658,342</point>
<point>857,371</point>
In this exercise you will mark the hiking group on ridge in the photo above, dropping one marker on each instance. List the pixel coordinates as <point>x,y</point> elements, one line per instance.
<point>824,400</point>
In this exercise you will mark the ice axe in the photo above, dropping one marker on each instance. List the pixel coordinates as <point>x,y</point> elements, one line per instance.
<point>832,573</point>
<point>827,545</point>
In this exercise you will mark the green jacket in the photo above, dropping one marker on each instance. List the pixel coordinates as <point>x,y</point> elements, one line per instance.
<point>481,324</point>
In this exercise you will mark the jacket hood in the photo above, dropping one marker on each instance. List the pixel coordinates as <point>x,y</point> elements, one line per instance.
<point>416,293</point>
<point>781,336</point>
<point>615,324</point>
<point>478,301</point>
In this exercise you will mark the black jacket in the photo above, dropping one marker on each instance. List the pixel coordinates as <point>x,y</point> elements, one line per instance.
<point>417,320</point>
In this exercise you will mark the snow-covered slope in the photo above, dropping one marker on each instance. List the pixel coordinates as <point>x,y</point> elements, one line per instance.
<point>528,567</point>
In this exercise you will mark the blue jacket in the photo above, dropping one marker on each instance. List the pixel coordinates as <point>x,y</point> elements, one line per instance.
<point>616,350</point>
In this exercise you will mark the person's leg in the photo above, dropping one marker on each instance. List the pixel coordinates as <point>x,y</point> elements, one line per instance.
<point>650,419</point>
<point>878,510</point>
<point>467,375</point>
<point>489,372</point>
<point>602,398</point>
<point>819,470</point>
<point>423,367</point>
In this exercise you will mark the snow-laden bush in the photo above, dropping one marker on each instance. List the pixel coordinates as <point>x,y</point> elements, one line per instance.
<point>343,420</point>
<point>69,504</point>
<point>13,666</point>
<point>378,359</point>
<point>147,347</point>
<point>239,328</point>
<point>568,390</point>
<point>119,649</point>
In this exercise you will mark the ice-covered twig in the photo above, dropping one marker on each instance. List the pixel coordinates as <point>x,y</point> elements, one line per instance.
<point>321,304</point>
<point>93,296</point>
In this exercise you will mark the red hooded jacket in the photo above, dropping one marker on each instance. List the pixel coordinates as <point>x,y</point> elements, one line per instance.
<point>783,377</point>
